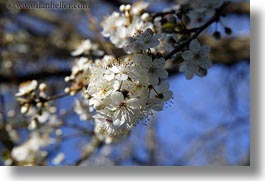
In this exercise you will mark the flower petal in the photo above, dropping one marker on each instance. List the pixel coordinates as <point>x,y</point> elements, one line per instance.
<point>117,97</point>
<point>195,46</point>
<point>187,55</point>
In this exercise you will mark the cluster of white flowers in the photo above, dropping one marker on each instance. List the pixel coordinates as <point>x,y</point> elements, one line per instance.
<point>130,21</point>
<point>124,91</point>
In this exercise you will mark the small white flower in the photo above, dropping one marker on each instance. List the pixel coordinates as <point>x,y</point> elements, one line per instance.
<point>104,127</point>
<point>155,69</point>
<point>124,110</point>
<point>159,96</point>
<point>110,24</point>
<point>143,41</point>
<point>195,60</point>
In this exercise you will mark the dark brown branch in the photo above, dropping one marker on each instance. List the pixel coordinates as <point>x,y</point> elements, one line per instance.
<point>35,75</point>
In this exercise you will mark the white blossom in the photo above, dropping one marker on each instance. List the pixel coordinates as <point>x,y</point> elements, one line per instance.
<point>154,68</point>
<point>143,41</point>
<point>87,47</point>
<point>30,151</point>
<point>196,60</point>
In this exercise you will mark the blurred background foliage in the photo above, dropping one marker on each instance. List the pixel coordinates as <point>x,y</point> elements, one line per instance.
<point>208,122</point>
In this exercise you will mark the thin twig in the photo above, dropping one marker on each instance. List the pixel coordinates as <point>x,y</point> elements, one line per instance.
<point>3,109</point>
<point>57,96</point>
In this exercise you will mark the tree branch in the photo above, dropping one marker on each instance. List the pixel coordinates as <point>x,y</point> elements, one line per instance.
<point>224,51</point>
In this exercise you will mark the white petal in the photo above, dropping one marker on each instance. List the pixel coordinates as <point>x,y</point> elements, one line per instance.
<point>204,50</point>
<point>153,80</point>
<point>122,77</point>
<point>182,67</point>
<point>163,74</point>
<point>117,122</point>
<point>187,55</point>
<point>206,64</point>
<point>164,86</point>
<point>134,103</point>
<point>140,58</point>
<point>115,69</point>
<point>116,85</point>
<point>117,97</point>
<point>109,76</point>
<point>189,74</point>
<point>194,46</point>
<point>168,95</point>
<point>147,35</point>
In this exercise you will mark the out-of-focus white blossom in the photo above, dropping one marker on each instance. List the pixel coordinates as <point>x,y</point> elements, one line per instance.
<point>30,151</point>
<point>83,109</point>
<point>196,60</point>
<point>58,159</point>
<point>78,77</point>
<point>27,88</point>
<point>87,48</point>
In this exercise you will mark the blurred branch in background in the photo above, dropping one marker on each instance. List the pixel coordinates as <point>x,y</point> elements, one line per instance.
<point>224,51</point>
